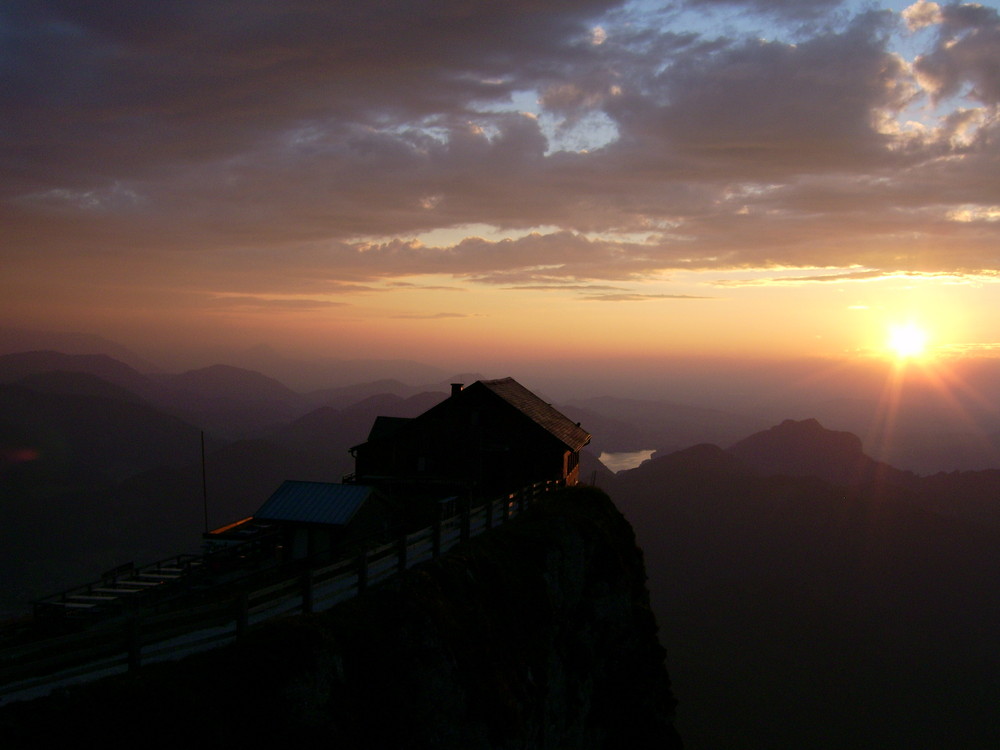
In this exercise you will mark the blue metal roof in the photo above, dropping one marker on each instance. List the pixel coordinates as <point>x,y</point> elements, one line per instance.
<point>314,502</point>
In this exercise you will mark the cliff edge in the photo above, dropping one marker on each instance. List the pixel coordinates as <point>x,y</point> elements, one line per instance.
<point>536,635</point>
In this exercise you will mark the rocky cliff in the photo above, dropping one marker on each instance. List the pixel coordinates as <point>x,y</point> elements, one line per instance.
<point>536,635</point>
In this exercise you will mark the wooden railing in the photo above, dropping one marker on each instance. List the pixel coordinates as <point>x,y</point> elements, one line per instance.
<point>211,619</point>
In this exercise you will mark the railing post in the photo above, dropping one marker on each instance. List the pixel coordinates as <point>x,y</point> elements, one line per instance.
<point>307,592</point>
<point>436,539</point>
<point>488,510</point>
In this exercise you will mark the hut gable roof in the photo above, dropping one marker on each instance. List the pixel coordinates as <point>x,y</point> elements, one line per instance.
<point>509,393</point>
<point>384,426</point>
<point>538,411</point>
<point>314,502</point>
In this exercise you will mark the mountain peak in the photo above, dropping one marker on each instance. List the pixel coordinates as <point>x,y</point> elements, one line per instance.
<point>806,448</point>
<point>228,381</point>
<point>812,424</point>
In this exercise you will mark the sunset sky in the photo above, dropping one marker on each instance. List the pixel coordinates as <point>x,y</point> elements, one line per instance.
<point>513,178</point>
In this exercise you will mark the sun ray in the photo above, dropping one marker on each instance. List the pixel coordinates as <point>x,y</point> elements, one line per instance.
<point>916,388</point>
<point>883,423</point>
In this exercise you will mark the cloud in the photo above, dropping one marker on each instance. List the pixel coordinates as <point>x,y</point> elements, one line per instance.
<point>150,85</point>
<point>637,297</point>
<point>431,316</point>
<point>270,304</point>
<point>793,9</point>
<point>767,109</point>
<point>863,275</point>
<point>966,53</point>
<point>423,287</point>
<point>296,150</point>
<point>991,349</point>
<point>568,287</point>
<point>532,259</point>
<point>921,15</point>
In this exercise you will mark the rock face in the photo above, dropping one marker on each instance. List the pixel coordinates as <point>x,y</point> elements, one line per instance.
<point>536,635</point>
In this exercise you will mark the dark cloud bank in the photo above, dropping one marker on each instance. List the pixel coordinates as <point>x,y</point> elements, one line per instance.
<point>314,141</point>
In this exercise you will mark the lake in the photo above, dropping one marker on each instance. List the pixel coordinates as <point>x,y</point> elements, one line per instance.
<point>622,461</point>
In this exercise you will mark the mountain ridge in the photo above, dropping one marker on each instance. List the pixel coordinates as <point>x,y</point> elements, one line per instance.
<point>864,609</point>
<point>806,448</point>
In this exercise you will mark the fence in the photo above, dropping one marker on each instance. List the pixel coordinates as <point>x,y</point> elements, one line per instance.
<point>213,619</point>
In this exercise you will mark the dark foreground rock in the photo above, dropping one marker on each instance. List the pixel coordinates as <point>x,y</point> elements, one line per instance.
<point>537,635</point>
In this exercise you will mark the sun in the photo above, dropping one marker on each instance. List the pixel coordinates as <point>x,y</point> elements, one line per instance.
<point>907,341</point>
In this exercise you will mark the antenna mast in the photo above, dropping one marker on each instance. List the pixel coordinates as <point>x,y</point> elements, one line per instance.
<point>204,483</point>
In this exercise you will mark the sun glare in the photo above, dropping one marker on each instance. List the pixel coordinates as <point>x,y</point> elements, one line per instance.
<point>907,341</point>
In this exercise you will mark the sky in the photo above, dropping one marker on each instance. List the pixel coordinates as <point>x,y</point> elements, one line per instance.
<point>456,181</point>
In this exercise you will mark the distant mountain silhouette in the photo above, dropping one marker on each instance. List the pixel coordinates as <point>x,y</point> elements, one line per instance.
<point>611,434</point>
<point>807,449</point>
<point>346,395</point>
<point>659,425</point>
<point>343,396</point>
<point>77,384</point>
<point>465,378</point>
<point>313,373</point>
<point>230,401</point>
<point>313,428</point>
<point>224,400</point>
<point>968,496</point>
<point>923,427</point>
<point>841,600</point>
<point>68,442</point>
<point>225,382</point>
<point>14,340</point>
<point>124,475</point>
<point>704,457</point>
<point>353,423</point>
<point>115,437</point>
<point>14,367</point>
